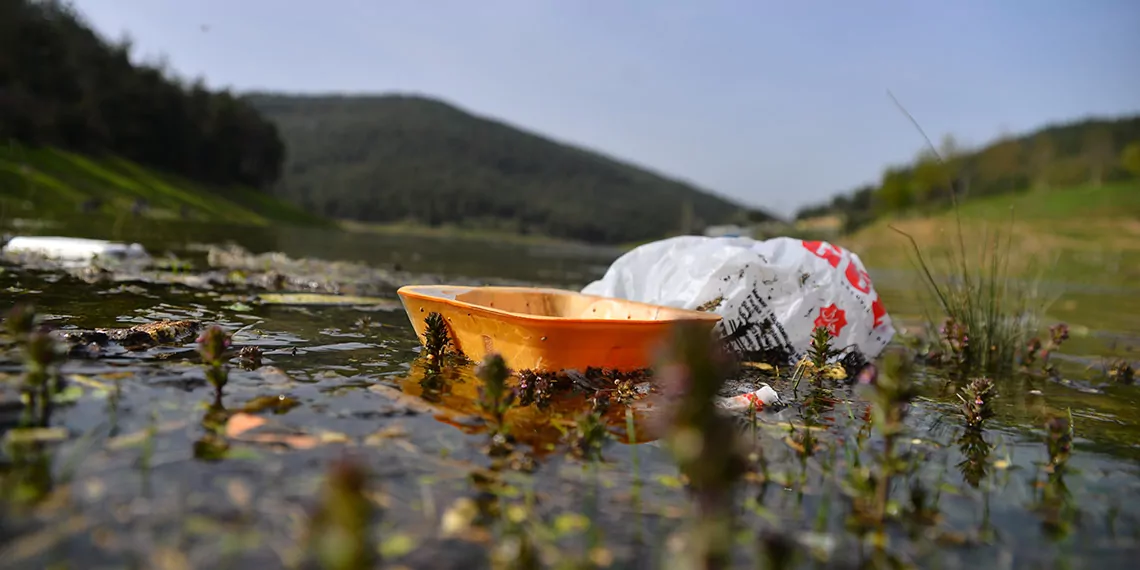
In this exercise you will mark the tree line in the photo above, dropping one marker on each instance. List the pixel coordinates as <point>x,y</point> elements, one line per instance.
<point>1094,151</point>
<point>63,85</point>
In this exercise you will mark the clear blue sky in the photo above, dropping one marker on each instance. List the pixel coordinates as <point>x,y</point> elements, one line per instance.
<point>776,104</point>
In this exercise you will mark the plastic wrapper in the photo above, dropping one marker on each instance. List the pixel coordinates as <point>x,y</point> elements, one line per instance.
<point>764,397</point>
<point>772,294</point>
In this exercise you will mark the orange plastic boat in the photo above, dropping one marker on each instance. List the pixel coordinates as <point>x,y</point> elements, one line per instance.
<point>548,329</point>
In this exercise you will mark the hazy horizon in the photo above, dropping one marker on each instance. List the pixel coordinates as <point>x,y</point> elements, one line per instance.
<point>774,106</point>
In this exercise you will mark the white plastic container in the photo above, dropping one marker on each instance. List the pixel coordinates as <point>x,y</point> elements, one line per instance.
<point>73,249</point>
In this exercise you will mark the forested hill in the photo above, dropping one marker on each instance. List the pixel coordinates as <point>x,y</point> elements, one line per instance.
<point>1083,152</point>
<point>62,85</point>
<point>387,158</point>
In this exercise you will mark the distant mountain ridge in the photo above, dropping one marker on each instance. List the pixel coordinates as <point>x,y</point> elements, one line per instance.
<point>397,157</point>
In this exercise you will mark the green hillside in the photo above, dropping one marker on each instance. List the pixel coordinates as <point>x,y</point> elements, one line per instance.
<point>1088,152</point>
<point>1081,234</point>
<point>49,181</point>
<point>84,127</point>
<point>392,158</point>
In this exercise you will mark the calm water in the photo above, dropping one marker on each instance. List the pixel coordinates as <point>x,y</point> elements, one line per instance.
<point>139,476</point>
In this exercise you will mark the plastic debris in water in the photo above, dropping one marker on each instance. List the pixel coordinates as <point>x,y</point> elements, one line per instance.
<point>764,397</point>
<point>73,249</point>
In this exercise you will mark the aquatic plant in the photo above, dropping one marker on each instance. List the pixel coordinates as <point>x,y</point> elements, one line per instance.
<point>212,346</point>
<point>495,396</point>
<point>42,355</point>
<point>250,357</point>
<point>975,450</point>
<point>977,407</point>
<point>988,314</point>
<point>20,321</point>
<point>816,365</point>
<point>1058,442</point>
<point>1058,334</point>
<point>437,337</point>
<point>589,436</point>
<point>340,529</point>
<point>1054,504</point>
<point>703,441</point>
<point>890,394</point>
<point>977,404</point>
<point>539,388</point>
<point>1121,372</point>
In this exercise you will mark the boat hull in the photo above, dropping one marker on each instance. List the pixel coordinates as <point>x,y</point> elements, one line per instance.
<point>549,329</point>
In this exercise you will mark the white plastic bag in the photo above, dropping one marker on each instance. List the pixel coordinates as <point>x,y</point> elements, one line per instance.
<point>772,294</point>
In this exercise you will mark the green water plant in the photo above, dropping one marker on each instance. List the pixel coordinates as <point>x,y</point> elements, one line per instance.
<point>42,356</point>
<point>250,357</point>
<point>340,530</point>
<point>1058,442</point>
<point>1038,351</point>
<point>438,342</point>
<point>977,407</point>
<point>1054,503</point>
<point>495,398</point>
<point>890,394</point>
<point>1121,372</point>
<point>817,364</point>
<point>588,437</point>
<point>212,346</point>
<point>703,441</point>
<point>977,402</point>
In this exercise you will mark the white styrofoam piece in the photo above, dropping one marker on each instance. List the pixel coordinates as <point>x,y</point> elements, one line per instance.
<point>73,249</point>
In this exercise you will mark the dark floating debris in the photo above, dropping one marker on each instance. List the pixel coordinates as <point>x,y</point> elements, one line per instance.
<point>133,339</point>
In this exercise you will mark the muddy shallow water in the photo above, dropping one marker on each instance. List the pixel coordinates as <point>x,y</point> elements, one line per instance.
<point>139,465</point>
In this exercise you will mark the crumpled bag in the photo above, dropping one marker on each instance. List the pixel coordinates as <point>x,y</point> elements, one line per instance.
<point>772,294</point>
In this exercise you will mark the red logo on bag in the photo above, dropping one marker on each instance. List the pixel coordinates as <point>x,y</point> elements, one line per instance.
<point>878,311</point>
<point>833,255</point>
<point>832,318</point>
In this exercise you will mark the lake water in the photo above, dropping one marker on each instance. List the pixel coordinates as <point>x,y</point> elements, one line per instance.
<point>148,472</point>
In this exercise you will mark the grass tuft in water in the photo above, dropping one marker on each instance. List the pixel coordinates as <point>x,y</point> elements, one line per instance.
<point>988,314</point>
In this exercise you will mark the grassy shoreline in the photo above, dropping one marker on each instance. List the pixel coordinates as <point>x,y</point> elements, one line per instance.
<point>1082,234</point>
<point>48,183</point>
